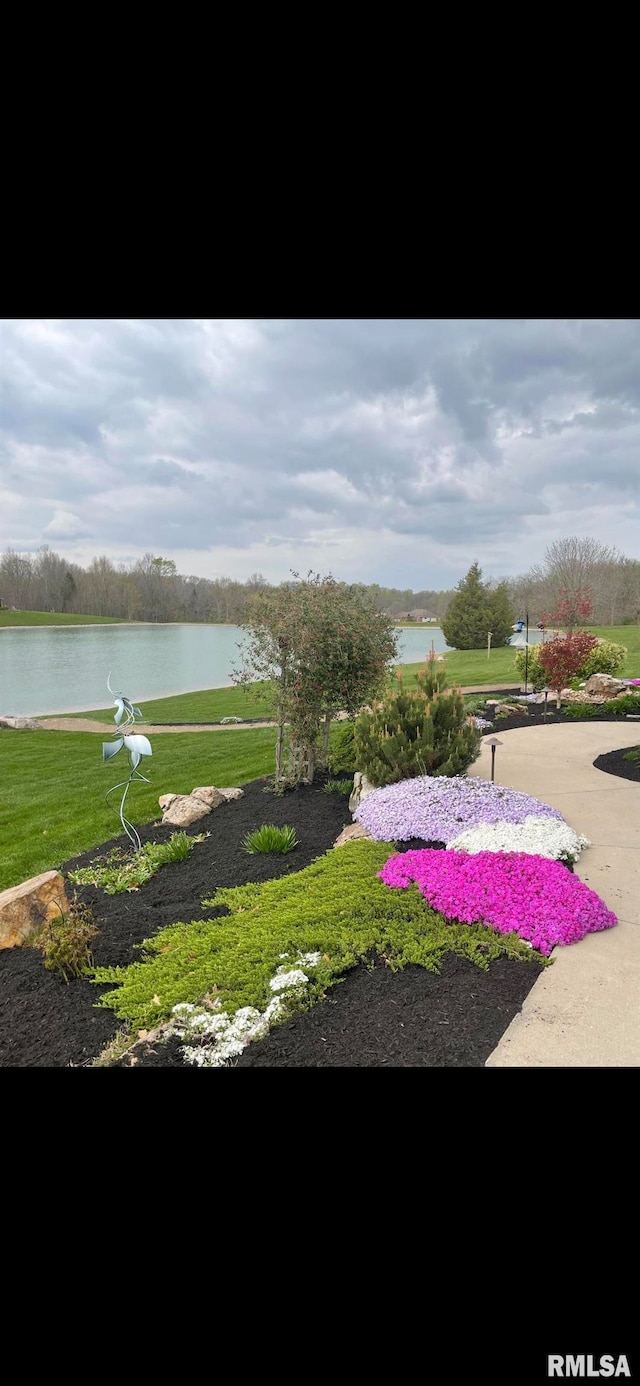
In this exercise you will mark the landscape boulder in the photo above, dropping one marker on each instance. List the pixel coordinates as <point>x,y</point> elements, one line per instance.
<point>19,723</point>
<point>361,787</point>
<point>25,908</point>
<point>604,686</point>
<point>180,810</point>
<point>351,834</point>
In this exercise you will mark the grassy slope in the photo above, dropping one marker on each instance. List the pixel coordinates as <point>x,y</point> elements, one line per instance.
<point>52,618</point>
<point>54,785</point>
<point>210,705</point>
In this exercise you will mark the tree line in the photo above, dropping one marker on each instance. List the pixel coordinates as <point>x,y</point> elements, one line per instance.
<point>151,589</point>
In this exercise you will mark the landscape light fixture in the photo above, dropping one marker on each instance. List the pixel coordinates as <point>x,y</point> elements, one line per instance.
<point>492,741</point>
<point>546,695</point>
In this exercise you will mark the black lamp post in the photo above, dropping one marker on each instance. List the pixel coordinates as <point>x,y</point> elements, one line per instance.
<point>492,741</point>
<point>526,653</point>
<point>546,695</point>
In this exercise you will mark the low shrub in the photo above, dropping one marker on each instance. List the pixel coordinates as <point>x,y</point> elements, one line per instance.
<point>416,733</point>
<point>582,711</point>
<point>270,838</point>
<point>630,702</point>
<point>337,907</point>
<point>121,870</point>
<point>605,658</point>
<point>536,677</point>
<point>633,755</point>
<point>64,941</point>
<point>342,752</point>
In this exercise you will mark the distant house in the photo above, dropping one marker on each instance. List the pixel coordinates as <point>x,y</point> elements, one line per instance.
<point>419,614</point>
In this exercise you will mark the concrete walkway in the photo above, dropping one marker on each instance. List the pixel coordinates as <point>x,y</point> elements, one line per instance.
<point>584,1010</point>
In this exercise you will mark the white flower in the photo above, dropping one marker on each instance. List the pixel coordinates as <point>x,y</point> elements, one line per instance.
<point>283,980</point>
<point>540,837</point>
<point>309,959</point>
<point>283,955</point>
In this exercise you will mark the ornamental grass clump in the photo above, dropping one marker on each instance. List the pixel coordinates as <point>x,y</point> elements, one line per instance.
<point>439,809</point>
<point>421,732</point>
<point>270,838</point>
<point>539,900</point>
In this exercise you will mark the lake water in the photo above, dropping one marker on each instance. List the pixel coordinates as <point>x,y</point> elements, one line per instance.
<point>49,669</point>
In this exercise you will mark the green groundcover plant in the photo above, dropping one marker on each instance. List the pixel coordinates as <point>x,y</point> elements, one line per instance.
<point>336,906</point>
<point>338,787</point>
<point>120,870</point>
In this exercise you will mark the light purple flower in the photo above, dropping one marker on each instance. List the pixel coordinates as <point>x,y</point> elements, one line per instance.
<point>439,807</point>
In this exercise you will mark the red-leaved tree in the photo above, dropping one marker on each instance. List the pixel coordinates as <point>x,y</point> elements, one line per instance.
<point>563,657</point>
<point>574,606</point>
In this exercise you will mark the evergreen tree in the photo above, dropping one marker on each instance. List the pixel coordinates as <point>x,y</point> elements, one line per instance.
<point>418,732</point>
<point>470,614</point>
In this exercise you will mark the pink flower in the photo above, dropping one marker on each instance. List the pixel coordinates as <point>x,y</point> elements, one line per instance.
<point>539,899</point>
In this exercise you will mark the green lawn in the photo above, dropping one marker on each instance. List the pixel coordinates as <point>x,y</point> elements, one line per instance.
<point>469,667</point>
<point>52,618</point>
<point>210,705</point>
<point>53,787</point>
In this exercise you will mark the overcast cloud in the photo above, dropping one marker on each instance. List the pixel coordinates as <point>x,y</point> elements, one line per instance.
<point>386,450</point>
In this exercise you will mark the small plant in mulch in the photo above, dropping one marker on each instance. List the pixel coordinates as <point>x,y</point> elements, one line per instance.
<point>119,870</point>
<point>64,941</point>
<point>270,838</point>
<point>338,787</point>
<point>634,756</point>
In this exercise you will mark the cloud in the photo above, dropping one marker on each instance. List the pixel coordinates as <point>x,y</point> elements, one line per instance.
<point>397,448</point>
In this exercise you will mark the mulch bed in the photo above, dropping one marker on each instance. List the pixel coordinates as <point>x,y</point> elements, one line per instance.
<point>452,1020</point>
<point>382,1019</point>
<point>616,763</point>
<point>535,718</point>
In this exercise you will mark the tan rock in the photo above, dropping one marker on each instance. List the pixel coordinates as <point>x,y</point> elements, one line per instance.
<point>18,723</point>
<point>208,794</point>
<point>351,834</point>
<point>604,685</point>
<point>25,908</point>
<point>179,810</point>
<point>361,788</point>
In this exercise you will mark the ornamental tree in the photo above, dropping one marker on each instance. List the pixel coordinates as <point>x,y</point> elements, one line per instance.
<point>562,658</point>
<point>322,646</point>
<point>573,607</point>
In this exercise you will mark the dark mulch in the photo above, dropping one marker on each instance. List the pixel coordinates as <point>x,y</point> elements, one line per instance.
<point>535,718</point>
<point>454,1020</point>
<point>407,1019</point>
<point>616,763</point>
<point>385,1019</point>
<point>45,1023</point>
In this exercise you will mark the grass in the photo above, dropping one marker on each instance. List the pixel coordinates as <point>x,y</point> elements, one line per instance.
<point>337,906</point>
<point>208,705</point>
<point>270,838</point>
<point>53,787</point>
<point>54,618</point>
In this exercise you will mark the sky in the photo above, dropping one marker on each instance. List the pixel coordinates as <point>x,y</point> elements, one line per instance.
<point>381,450</point>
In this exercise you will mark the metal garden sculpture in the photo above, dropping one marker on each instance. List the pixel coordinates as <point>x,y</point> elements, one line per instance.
<point>137,746</point>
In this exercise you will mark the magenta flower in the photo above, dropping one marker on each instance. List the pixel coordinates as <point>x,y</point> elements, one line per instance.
<point>508,891</point>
